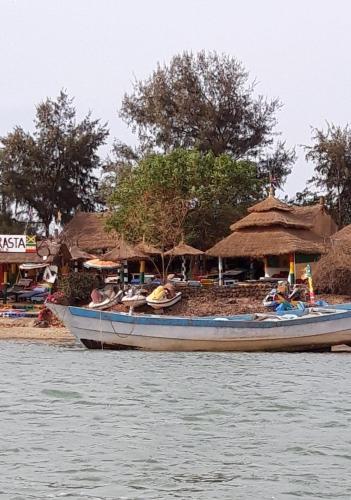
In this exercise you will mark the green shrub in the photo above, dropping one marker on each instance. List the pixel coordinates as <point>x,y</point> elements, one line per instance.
<point>77,287</point>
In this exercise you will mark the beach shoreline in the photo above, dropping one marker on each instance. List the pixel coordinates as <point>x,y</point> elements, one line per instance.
<point>24,329</point>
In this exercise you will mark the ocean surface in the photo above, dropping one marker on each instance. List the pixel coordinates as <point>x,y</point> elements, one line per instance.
<point>82,424</point>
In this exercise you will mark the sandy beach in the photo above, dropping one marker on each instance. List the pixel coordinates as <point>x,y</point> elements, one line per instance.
<point>24,329</point>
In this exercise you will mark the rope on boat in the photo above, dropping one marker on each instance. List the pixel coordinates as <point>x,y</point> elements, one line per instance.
<point>102,344</point>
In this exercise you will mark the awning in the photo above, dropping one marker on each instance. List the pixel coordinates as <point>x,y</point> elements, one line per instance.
<point>33,265</point>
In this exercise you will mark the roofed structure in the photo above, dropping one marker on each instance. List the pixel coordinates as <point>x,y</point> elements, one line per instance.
<point>88,232</point>
<point>123,251</point>
<point>343,236</point>
<point>273,227</point>
<point>53,251</point>
<point>182,249</point>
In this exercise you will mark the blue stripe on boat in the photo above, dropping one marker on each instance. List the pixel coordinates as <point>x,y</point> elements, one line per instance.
<point>240,321</point>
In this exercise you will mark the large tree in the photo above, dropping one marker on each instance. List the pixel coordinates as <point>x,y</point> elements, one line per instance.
<point>53,170</point>
<point>331,155</point>
<point>202,101</point>
<point>186,191</point>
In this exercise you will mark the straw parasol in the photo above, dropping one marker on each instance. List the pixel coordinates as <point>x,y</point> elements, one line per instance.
<point>147,249</point>
<point>124,251</point>
<point>183,250</point>
<point>78,254</point>
<point>101,264</point>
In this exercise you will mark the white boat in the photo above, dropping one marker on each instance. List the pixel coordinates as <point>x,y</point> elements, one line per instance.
<point>136,300</point>
<point>315,329</point>
<point>163,303</point>
<point>108,301</point>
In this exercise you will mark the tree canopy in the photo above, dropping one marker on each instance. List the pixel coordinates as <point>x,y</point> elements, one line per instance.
<point>53,169</point>
<point>331,155</point>
<point>202,101</point>
<point>190,192</point>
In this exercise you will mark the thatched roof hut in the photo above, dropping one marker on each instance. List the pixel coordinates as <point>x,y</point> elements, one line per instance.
<point>275,228</point>
<point>88,232</point>
<point>343,236</point>
<point>48,251</point>
<point>332,273</point>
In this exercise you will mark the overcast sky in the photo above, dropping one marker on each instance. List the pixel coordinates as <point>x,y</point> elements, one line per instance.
<point>298,50</point>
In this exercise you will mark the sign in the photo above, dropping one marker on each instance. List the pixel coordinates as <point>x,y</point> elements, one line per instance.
<point>17,243</point>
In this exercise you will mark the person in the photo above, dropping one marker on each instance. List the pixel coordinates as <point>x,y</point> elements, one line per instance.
<point>169,287</point>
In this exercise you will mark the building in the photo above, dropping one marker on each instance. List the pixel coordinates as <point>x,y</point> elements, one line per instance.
<point>274,232</point>
<point>88,232</point>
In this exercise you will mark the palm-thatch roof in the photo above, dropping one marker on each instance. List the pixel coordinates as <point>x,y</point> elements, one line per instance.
<point>343,236</point>
<point>272,218</point>
<point>268,241</point>
<point>124,251</point>
<point>183,250</point>
<point>78,254</point>
<point>20,258</point>
<point>268,204</point>
<point>275,228</point>
<point>147,248</point>
<point>48,252</point>
<point>88,232</point>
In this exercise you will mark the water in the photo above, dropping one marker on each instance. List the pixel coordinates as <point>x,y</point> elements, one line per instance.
<point>131,425</point>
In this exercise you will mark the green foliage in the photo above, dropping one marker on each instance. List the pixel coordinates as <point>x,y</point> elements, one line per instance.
<point>77,287</point>
<point>331,154</point>
<point>183,192</point>
<point>201,101</point>
<point>52,169</point>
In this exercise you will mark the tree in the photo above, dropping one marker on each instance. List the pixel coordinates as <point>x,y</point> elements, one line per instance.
<point>201,101</point>
<point>331,154</point>
<point>53,169</point>
<point>184,191</point>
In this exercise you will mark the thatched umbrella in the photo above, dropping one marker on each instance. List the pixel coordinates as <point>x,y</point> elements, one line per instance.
<point>124,251</point>
<point>149,250</point>
<point>101,265</point>
<point>183,250</point>
<point>79,254</point>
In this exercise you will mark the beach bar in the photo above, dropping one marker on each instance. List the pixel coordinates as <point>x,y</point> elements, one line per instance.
<point>282,237</point>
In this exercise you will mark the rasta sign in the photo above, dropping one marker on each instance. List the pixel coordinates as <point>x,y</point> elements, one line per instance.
<point>18,243</point>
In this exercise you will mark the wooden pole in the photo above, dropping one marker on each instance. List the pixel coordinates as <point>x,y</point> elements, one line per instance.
<point>291,277</point>
<point>142,272</point>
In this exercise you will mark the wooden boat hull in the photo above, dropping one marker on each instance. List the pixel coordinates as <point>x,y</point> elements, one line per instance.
<point>109,330</point>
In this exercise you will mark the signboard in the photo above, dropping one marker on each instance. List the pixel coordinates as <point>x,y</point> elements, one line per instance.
<point>17,243</point>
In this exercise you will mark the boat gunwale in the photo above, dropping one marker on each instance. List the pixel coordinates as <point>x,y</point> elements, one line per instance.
<point>220,322</point>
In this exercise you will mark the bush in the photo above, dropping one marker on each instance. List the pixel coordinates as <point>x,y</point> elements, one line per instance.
<point>77,287</point>
<point>332,273</point>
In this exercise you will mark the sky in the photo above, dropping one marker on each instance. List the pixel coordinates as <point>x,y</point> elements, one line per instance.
<point>297,50</point>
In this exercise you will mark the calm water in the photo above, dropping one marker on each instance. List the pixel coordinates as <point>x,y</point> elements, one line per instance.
<point>132,425</point>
